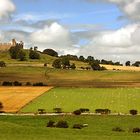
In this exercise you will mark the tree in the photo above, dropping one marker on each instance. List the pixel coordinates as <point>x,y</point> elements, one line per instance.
<point>14,51</point>
<point>90,58</point>
<point>65,63</point>
<point>81,58</point>
<point>133,112</point>
<point>127,63</point>
<point>34,54</point>
<point>73,66</point>
<point>2,64</point>
<point>57,63</point>
<point>22,55</point>
<point>95,66</point>
<point>136,64</point>
<point>50,52</point>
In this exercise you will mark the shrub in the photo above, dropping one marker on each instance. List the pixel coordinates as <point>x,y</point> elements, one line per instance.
<point>77,112</point>
<point>38,84</point>
<point>83,110</point>
<point>45,64</point>
<point>77,126</point>
<point>34,54</point>
<point>6,83</point>
<point>136,130</point>
<point>103,111</point>
<point>28,84</point>
<point>117,129</point>
<point>62,124</point>
<point>1,105</point>
<point>16,83</point>
<point>41,111</point>
<point>133,112</point>
<point>2,64</point>
<point>51,124</point>
<point>58,110</point>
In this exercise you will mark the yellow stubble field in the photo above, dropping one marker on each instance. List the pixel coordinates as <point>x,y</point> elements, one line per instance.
<point>14,98</point>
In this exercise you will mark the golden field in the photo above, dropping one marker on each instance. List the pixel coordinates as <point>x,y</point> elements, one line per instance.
<point>14,98</point>
<point>122,68</point>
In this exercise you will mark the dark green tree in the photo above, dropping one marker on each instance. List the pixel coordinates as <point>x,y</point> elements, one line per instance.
<point>65,63</point>
<point>57,63</point>
<point>90,58</point>
<point>81,58</point>
<point>127,63</point>
<point>22,55</point>
<point>14,51</point>
<point>2,64</point>
<point>50,52</point>
<point>73,66</point>
<point>34,54</point>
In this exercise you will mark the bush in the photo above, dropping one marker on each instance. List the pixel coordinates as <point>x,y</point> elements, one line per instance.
<point>41,111</point>
<point>51,124</point>
<point>117,129</point>
<point>133,112</point>
<point>34,55</point>
<point>39,84</point>
<point>103,111</point>
<point>2,64</point>
<point>1,105</point>
<point>28,84</point>
<point>6,83</point>
<point>83,110</point>
<point>77,112</point>
<point>62,124</point>
<point>58,110</point>
<point>16,83</point>
<point>77,126</point>
<point>136,130</point>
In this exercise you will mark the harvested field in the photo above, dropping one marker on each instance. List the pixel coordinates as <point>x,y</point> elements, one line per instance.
<point>122,68</point>
<point>14,98</point>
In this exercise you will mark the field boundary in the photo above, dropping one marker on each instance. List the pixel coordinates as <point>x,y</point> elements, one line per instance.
<point>35,98</point>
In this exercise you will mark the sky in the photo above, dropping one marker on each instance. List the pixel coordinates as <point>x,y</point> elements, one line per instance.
<point>105,29</point>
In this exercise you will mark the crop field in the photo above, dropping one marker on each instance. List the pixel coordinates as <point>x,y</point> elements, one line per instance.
<point>118,100</point>
<point>14,98</point>
<point>99,128</point>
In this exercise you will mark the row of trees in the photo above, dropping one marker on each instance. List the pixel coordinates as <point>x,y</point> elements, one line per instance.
<point>63,63</point>
<point>17,52</point>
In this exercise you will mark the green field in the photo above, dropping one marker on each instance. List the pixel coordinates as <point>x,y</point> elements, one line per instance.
<point>100,128</point>
<point>70,99</point>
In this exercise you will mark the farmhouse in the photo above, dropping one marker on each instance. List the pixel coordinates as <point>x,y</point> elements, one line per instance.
<point>7,46</point>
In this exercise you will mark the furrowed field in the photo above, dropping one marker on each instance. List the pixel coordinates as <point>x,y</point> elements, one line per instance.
<point>118,100</point>
<point>14,98</point>
<point>99,128</point>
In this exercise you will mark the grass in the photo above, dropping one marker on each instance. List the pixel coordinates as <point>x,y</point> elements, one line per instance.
<point>80,78</point>
<point>100,128</point>
<point>70,99</point>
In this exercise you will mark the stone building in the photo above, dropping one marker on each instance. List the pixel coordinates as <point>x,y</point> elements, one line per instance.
<point>7,46</point>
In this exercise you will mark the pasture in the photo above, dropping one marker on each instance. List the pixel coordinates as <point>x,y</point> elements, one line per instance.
<point>118,100</point>
<point>99,128</point>
<point>14,98</point>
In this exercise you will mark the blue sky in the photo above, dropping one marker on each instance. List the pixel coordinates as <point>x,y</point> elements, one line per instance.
<point>73,11</point>
<point>105,29</point>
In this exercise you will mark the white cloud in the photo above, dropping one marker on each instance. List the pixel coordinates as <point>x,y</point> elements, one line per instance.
<point>119,44</point>
<point>54,36</point>
<point>131,8</point>
<point>7,7</point>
